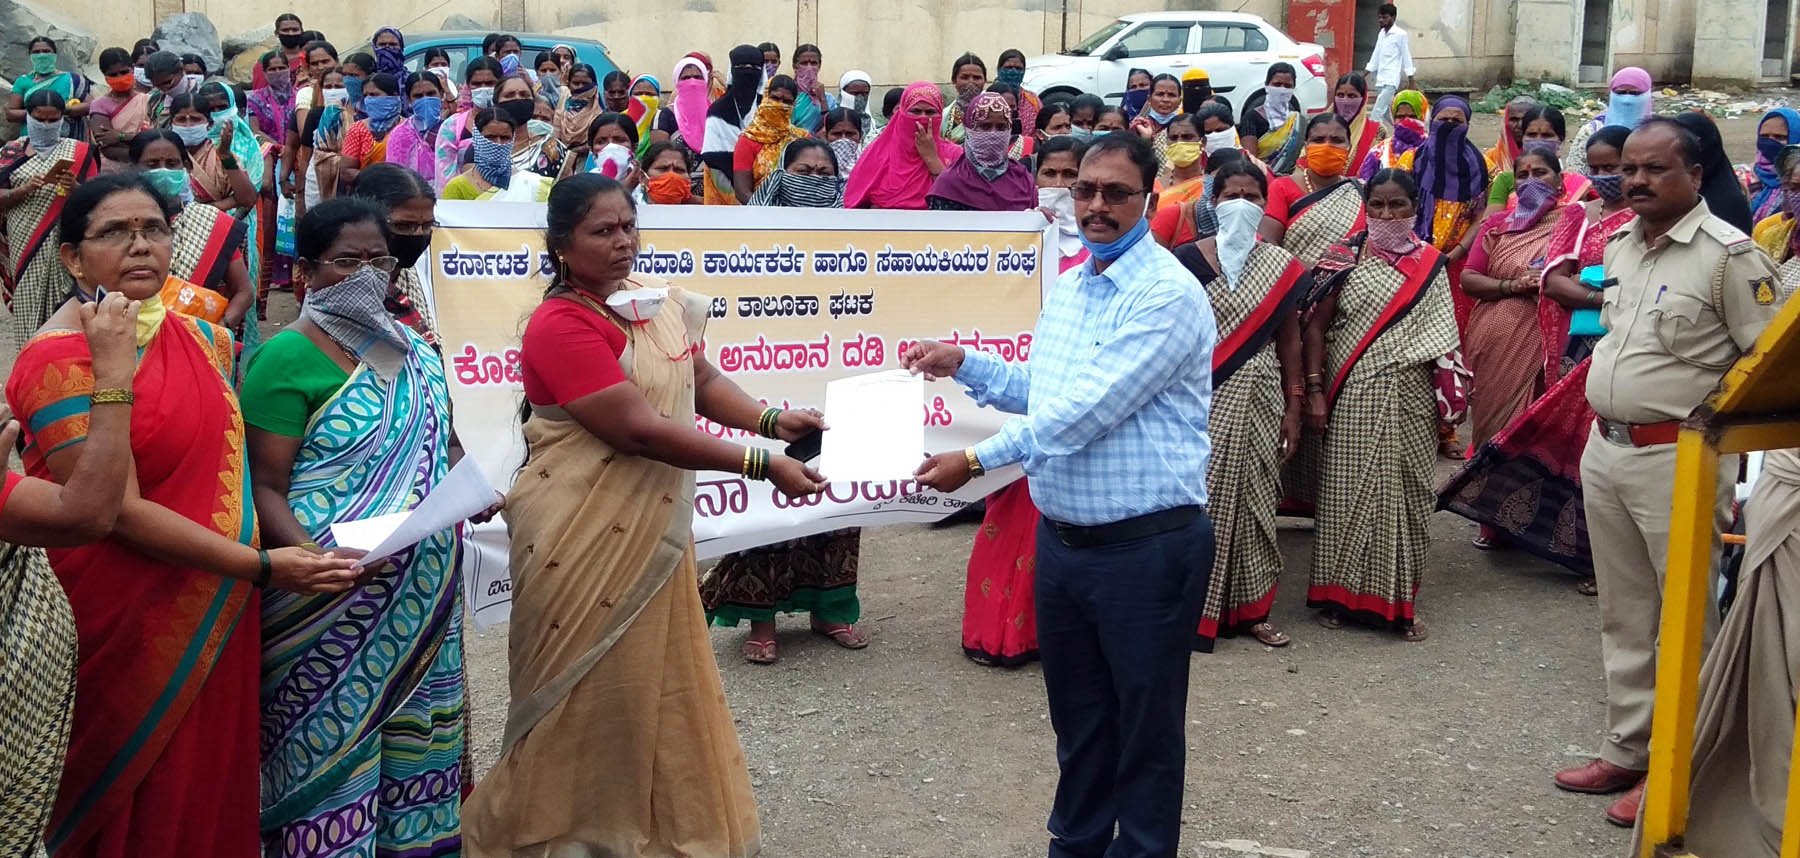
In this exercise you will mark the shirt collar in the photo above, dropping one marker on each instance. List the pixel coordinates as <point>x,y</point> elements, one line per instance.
<point>1683,230</point>
<point>1131,260</point>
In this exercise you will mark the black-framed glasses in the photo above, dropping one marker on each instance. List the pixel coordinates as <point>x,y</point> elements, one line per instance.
<point>1114,194</point>
<point>347,265</point>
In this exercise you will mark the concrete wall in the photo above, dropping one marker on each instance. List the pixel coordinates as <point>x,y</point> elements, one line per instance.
<point>1460,42</point>
<point>1729,47</point>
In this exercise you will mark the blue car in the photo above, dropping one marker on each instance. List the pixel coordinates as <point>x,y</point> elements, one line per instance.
<point>463,45</point>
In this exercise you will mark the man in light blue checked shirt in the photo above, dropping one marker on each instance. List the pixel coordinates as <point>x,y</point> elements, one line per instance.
<point>1113,438</point>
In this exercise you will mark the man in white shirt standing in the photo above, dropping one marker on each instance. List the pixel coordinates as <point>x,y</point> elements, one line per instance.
<point>1391,62</point>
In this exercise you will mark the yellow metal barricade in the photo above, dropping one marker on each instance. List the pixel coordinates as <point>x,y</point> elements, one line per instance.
<point>1756,407</point>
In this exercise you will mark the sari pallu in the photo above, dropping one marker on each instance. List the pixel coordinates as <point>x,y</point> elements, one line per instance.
<point>999,627</point>
<point>1579,240</point>
<point>1526,481</point>
<point>70,86</point>
<point>1378,459</point>
<point>1243,476</point>
<point>1280,148</point>
<point>1501,343</point>
<point>210,184</point>
<point>205,241</point>
<point>34,278</point>
<point>618,741</point>
<point>1323,219</point>
<point>410,149</point>
<point>362,692</point>
<point>162,757</point>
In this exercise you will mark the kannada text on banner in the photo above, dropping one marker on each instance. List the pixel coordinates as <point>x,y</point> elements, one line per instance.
<point>799,297</point>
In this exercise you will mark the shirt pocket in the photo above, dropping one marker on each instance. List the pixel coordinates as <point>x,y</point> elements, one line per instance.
<point>1685,326</point>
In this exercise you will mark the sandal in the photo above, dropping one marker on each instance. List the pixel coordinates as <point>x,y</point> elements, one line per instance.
<point>760,652</point>
<point>1269,635</point>
<point>1588,587</point>
<point>1329,619</point>
<point>1415,632</point>
<point>843,634</point>
<point>1449,449</point>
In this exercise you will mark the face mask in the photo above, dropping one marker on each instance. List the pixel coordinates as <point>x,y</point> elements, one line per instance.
<point>1059,201</point>
<point>669,189</point>
<point>1627,109</point>
<point>1326,159</point>
<point>1116,248</point>
<point>189,83</point>
<point>171,183</point>
<point>151,313</point>
<point>1159,118</point>
<point>858,103</point>
<point>1015,77</point>
<point>848,152</point>
<point>520,109</point>
<point>771,69</point>
<point>335,97</point>
<point>1135,100</point>
<point>1536,197</point>
<point>1349,106</point>
<point>482,96</point>
<point>191,135</point>
<point>1393,236</point>
<point>391,56</point>
<point>1410,132</point>
<point>774,113</point>
<point>291,41</point>
<point>1280,99</point>
<point>612,161</point>
<point>637,306</point>
<point>45,136</point>
<point>223,115</point>
<point>1238,220</point>
<point>987,149</point>
<point>550,79</point>
<point>140,77</point>
<point>539,128</point>
<point>121,83</point>
<point>807,77</point>
<point>1768,150</point>
<point>280,81</point>
<point>1217,140</point>
<point>354,86</point>
<point>1790,202</point>
<point>1184,154</point>
<point>382,108</point>
<point>1609,189</point>
<point>492,160</point>
<point>408,248</point>
<point>1085,135</point>
<point>43,64</point>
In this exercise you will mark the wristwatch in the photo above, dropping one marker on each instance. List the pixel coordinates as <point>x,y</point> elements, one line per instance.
<point>975,468</point>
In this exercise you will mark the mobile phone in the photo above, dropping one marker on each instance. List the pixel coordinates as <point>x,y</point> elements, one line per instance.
<point>806,447</point>
<point>59,168</point>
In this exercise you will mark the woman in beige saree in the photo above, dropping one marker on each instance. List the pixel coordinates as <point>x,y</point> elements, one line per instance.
<point>618,742</point>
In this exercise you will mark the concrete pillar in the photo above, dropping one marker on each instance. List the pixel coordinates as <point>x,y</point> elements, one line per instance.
<point>1728,42</point>
<point>1547,44</point>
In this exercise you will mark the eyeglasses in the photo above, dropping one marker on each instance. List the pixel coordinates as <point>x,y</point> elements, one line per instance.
<point>123,236</point>
<point>412,228</point>
<point>348,265</point>
<point>1113,194</point>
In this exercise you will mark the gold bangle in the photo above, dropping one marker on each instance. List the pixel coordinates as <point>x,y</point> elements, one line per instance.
<point>975,468</point>
<point>111,396</point>
<point>744,470</point>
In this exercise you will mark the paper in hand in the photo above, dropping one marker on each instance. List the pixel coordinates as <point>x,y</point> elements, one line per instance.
<point>464,492</point>
<point>877,427</point>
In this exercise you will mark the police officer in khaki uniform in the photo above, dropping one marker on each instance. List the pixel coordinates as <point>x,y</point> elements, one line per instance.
<point>1688,294</point>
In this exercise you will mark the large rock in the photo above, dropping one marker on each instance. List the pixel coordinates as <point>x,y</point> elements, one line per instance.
<point>191,33</point>
<point>249,39</point>
<point>22,21</point>
<point>463,22</point>
<point>241,68</point>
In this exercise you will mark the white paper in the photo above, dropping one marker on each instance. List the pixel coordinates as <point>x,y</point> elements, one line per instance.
<point>464,492</point>
<point>877,427</point>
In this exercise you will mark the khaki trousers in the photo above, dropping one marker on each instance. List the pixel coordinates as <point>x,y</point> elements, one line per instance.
<point>1627,492</point>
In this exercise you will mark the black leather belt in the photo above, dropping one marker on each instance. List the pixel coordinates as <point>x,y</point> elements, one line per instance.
<point>1149,524</point>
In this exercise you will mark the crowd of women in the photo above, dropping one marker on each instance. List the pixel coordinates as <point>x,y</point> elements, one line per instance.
<point>207,673</point>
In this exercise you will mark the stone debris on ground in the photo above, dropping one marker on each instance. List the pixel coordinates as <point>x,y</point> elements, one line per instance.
<point>1585,104</point>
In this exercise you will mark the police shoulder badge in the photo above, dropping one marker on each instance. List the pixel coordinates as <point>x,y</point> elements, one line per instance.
<point>1764,287</point>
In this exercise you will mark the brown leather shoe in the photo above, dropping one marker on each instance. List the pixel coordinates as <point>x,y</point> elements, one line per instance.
<point>1598,777</point>
<point>1624,812</point>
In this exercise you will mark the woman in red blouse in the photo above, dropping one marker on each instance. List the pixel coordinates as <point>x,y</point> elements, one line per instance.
<point>619,741</point>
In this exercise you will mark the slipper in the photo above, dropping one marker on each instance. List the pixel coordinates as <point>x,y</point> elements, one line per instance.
<point>1415,632</point>
<point>760,652</point>
<point>1270,636</point>
<point>844,635</point>
<point>1329,620</point>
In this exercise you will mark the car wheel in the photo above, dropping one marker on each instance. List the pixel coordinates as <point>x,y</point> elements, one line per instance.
<point>1058,96</point>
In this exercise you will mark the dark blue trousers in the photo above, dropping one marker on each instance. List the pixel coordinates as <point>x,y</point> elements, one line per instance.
<point>1115,629</point>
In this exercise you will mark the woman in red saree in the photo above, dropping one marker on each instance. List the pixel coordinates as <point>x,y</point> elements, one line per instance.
<point>1504,276</point>
<point>1525,484</point>
<point>163,751</point>
<point>1317,207</point>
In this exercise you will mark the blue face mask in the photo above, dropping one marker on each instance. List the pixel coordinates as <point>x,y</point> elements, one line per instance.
<point>1159,118</point>
<point>1769,150</point>
<point>1085,135</point>
<point>427,111</point>
<point>1135,100</point>
<point>382,108</point>
<point>1116,248</point>
<point>1627,109</point>
<point>1014,77</point>
<point>354,86</point>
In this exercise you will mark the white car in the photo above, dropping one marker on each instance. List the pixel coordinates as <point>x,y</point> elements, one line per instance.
<point>1235,49</point>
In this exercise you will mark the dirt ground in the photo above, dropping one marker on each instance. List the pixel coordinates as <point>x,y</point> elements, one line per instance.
<point>1346,743</point>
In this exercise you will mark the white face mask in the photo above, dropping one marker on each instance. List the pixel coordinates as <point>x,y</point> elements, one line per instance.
<point>1280,99</point>
<point>482,96</point>
<point>335,97</point>
<point>1218,140</point>
<point>637,305</point>
<point>44,136</point>
<point>1238,220</point>
<point>1061,202</point>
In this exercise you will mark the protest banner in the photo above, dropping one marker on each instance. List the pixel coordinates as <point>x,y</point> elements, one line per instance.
<point>799,297</point>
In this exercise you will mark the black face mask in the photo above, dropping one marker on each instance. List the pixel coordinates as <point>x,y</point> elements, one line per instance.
<point>520,109</point>
<point>408,248</point>
<point>292,41</point>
